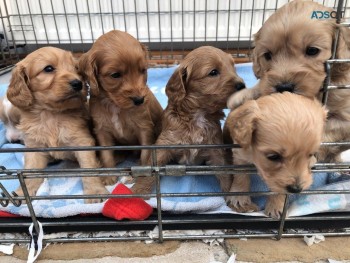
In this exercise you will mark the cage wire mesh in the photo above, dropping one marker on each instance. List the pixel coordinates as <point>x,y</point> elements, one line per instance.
<point>170,29</point>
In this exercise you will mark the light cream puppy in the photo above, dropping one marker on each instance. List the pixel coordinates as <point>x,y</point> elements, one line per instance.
<point>10,115</point>
<point>280,134</point>
<point>289,55</point>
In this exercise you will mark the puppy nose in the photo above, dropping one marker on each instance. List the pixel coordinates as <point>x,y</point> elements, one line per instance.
<point>294,188</point>
<point>18,141</point>
<point>240,85</point>
<point>282,87</point>
<point>138,100</point>
<point>76,84</point>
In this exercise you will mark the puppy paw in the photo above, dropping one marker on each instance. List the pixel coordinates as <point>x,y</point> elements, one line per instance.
<point>141,191</point>
<point>143,185</point>
<point>273,212</point>
<point>127,179</point>
<point>31,192</point>
<point>101,190</point>
<point>241,204</point>
<point>109,180</point>
<point>20,193</point>
<point>274,206</point>
<point>236,100</point>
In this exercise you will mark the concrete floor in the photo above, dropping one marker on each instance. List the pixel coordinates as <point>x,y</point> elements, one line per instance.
<point>184,252</point>
<point>251,250</point>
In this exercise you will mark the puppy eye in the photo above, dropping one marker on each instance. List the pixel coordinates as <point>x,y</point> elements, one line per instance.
<point>143,71</point>
<point>214,73</point>
<point>312,51</point>
<point>49,68</point>
<point>274,157</point>
<point>312,155</point>
<point>268,56</point>
<point>116,75</point>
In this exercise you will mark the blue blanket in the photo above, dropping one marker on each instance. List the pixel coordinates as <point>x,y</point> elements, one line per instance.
<point>157,79</point>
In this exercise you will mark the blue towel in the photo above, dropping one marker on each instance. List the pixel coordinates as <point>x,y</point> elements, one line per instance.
<point>190,184</point>
<point>258,185</point>
<point>157,80</point>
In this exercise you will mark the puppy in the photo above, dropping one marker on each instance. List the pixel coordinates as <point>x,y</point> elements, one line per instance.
<point>10,116</point>
<point>47,89</point>
<point>290,53</point>
<point>197,93</point>
<point>123,109</point>
<point>280,134</point>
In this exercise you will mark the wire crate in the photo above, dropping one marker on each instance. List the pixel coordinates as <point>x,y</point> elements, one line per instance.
<point>170,29</point>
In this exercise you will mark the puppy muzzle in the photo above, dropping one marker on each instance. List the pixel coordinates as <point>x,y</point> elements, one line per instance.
<point>76,85</point>
<point>138,100</point>
<point>287,86</point>
<point>240,86</point>
<point>294,188</point>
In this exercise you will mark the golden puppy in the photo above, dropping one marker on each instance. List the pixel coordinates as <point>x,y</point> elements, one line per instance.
<point>280,134</point>
<point>290,51</point>
<point>10,116</point>
<point>123,109</point>
<point>47,89</point>
<point>197,93</point>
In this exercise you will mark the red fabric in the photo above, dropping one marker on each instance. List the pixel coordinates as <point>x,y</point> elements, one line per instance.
<point>6,214</point>
<point>126,208</point>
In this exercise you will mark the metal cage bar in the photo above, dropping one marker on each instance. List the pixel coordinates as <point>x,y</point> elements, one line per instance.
<point>239,45</point>
<point>159,218</point>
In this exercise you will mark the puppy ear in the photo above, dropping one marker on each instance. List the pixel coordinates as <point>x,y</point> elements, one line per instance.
<point>325,113</point>
<point>255,57</point>
<point>87,69</point>
<point>342,52</point>
<point>145,50</point>
<point>18,91</point>
<point>175,88</point>
<point>242,123</point>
